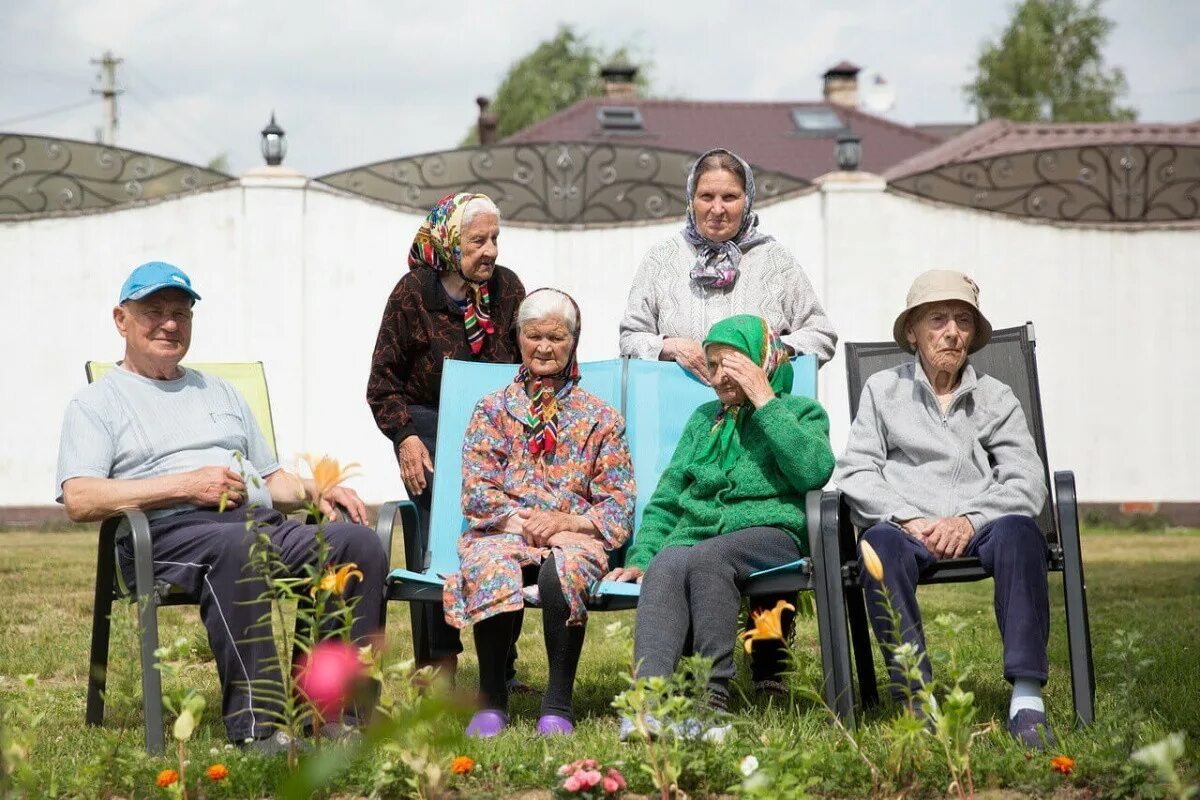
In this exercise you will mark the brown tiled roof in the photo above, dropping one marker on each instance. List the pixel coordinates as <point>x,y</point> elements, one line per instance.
<point>761,132</point>
<point>1000,137</point>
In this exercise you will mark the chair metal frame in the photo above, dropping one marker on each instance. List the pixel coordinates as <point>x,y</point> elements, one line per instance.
<point>1059,522</point>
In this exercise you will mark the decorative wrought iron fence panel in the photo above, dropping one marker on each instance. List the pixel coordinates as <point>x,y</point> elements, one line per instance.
<point>1094,184</point>
<point>557,183</point>
<point>41,176</point>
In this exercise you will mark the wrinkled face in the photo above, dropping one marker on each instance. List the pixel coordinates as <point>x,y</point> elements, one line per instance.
<point>546,345</point>
<point>729,391</point>
<point>718,204</point>
<point>942,334</point>
<point>479,242</point>
<point>157,328</point>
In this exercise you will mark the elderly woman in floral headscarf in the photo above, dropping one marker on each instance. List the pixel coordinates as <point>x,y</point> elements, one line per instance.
<point>454,302</point>
<point>730,503</point>
<point>720,264</point>
<point>548,492</point>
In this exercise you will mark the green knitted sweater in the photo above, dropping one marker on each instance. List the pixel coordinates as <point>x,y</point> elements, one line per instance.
<point>786,453</point>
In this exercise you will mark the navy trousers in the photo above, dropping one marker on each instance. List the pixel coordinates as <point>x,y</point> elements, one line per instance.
<point>1011,549</point>
<point>206,552</point>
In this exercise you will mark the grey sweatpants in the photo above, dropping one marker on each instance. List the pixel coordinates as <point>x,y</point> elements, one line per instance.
<point>206,552</point>
<point>695,593</point>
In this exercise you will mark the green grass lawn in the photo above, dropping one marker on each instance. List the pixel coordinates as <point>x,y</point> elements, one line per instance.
<point>1148,583</point>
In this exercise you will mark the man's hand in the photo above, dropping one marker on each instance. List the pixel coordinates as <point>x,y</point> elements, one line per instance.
<point>343,497</point>
<point>414,463</point>
<point>205,487</point>
<point>629,574</point>
<point>948,537</point>
<point>689,354</point>
<point>538,525</point>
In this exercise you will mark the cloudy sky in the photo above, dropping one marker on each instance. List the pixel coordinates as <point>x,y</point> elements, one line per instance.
<point>355,82</point>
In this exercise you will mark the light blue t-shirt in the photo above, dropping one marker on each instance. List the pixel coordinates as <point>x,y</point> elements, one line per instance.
<point>128,426</point>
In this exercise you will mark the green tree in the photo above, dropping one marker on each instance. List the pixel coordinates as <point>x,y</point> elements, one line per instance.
<point>558,73</point>
<point>1048,66</point>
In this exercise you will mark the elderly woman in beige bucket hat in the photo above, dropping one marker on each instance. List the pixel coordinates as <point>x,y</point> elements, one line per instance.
<point>940,464</point>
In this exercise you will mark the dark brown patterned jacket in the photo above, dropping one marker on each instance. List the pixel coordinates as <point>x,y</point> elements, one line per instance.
<point>421,327</point>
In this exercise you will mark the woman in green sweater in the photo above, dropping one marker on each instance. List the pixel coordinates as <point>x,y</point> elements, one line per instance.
<point>730,503</point>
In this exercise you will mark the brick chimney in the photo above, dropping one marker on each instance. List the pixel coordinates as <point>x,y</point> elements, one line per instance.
<point>487,121</point>
<point>620,81</point>
<point>841,85</point>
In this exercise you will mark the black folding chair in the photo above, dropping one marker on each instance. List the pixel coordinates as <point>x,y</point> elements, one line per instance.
<point>1008,357</point>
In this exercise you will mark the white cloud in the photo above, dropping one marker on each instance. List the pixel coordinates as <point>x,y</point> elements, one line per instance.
<point>362,81</point>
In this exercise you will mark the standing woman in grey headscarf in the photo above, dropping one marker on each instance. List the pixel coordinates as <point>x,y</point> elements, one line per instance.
<point>718,266</point>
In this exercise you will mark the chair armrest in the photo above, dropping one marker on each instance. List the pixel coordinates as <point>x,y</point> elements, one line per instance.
<point>408,514</point>
<point>129,522</point>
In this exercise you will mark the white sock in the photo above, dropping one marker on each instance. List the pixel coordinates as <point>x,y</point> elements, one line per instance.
<point>1026,693</point>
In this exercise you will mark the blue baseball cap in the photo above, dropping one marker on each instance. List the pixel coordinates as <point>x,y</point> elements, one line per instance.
<point>154,276</point>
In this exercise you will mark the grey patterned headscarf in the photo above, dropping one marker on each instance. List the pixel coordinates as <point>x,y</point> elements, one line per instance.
<point>717,262</point>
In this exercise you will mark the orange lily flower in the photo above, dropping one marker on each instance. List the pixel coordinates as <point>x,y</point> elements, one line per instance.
<point>768,625</point>
<point>327,473</point>
<point>217,772</point>
<point>871,560</point>
<point>167,777</point>
<point>335,580</point>
<point>461,765</point>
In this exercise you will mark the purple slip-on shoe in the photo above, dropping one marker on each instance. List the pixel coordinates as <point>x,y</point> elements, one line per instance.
<point>552,724</point>
<point>486,723</point>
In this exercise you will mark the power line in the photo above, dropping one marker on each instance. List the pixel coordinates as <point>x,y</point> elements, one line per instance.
<point>47,113</point>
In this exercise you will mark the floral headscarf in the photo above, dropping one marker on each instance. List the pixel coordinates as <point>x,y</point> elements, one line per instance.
<point>751,335</point>
<point>543,400</point>
<point>717,262</point>
<point>438,246</point>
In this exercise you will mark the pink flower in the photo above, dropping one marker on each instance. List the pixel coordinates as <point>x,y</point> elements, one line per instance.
<point>572,784</point>
<point>589,778</point>
<point>326,676</point>
<point>611,785</point>
<point>588,763</point>
<point>564,769</point>
<point>615,775</point>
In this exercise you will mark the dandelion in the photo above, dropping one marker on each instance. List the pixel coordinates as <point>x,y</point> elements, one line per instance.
<point>461,765</point>
<point>1063,764</point>
<point>166,778</point>
<point>217,772</point>
<point>335,580</point>
<point>871,560</point>
<point>327,473</point>
<point>768,625</point>
<point>748,765</point>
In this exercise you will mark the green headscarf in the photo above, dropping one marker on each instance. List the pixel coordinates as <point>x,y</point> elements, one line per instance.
<point>752,336</point>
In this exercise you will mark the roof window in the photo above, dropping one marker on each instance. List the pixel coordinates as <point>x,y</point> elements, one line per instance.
<point>620,118</point>
<point>817,121</point>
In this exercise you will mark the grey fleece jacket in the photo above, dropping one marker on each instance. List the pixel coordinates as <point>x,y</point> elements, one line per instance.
<point>905,459</point>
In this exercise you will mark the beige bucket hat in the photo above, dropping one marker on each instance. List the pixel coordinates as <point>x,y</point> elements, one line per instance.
<point>938,285</point>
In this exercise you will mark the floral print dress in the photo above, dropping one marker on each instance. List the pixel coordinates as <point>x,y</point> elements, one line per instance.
<point>589,474</point>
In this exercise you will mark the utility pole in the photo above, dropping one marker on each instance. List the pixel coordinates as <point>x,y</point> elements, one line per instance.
<point>108,92</point>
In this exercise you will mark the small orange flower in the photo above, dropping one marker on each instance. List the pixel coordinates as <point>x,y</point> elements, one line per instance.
<point>327,473</point>
<point>335,581</point>
<point>217,772</point>
<point>461,765</point>
<point>1063,764</point>
<point>768,625</point>
<point>167,777</point>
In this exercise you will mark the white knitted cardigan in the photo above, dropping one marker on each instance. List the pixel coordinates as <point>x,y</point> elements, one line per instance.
<point>665,302</point>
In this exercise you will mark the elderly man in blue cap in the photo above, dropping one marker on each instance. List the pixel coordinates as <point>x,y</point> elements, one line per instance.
<point>185,448</point>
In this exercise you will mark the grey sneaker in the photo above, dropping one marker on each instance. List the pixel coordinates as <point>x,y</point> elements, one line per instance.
<point>1031,729</point>
<point>629,731</point>
<point>340,733</point>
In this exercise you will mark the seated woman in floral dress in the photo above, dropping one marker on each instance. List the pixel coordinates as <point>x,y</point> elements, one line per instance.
<point>548,492</point>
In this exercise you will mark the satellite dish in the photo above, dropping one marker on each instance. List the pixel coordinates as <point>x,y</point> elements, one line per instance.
<point>875,93</point>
